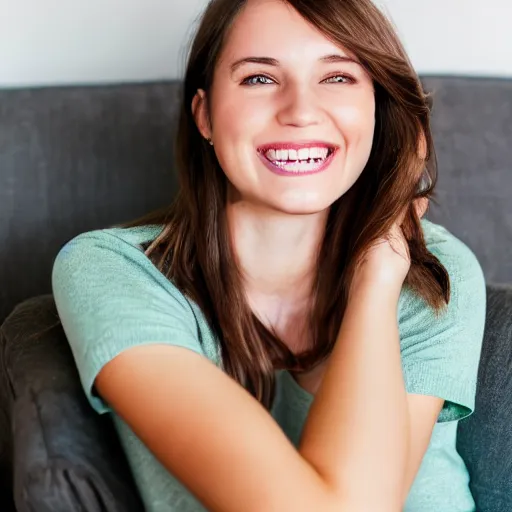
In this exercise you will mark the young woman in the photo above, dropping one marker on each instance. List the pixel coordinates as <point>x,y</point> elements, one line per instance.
<point>289,335</point>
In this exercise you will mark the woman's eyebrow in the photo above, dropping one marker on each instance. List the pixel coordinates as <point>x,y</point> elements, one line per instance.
<point>270,61</point>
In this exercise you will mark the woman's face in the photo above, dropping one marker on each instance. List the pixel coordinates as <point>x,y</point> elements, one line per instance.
<point>292,115</point>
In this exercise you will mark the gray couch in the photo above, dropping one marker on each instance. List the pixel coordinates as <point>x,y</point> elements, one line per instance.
<point>74,159</point>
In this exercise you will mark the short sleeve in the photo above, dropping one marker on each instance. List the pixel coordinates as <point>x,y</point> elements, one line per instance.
<point>110,297</point>
<point>441,354</point>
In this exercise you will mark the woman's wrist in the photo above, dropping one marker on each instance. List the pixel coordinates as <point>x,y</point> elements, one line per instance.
<point>375,288</point>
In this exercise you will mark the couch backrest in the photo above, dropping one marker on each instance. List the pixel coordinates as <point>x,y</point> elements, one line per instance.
<point>79,158</point>
<point>472,124</point>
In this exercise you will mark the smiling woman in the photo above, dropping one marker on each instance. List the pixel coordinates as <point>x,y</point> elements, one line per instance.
<point>289,334</point>
<point>280,91</point>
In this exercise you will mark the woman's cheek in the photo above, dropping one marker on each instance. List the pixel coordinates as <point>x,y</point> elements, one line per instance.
<point>243,120</point>
<point>356,117</point>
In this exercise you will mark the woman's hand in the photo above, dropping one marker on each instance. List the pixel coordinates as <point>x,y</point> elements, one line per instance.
<point>385,264</point>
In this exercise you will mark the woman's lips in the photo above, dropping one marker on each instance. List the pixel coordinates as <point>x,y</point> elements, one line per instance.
<point>294,169</point>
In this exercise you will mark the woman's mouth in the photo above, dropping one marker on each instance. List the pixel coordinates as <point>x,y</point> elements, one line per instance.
<point>298,160</point>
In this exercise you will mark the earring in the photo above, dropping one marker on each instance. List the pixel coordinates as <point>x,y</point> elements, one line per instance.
<point>210,141</point>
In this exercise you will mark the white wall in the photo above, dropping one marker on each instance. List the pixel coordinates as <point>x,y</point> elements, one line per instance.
<point>84,41</point>
<point>455,36</point>
<point>91,41</point>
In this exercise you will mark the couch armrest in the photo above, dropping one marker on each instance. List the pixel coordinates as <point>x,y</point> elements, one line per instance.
<point>65,457</point>
<point>485,438</point>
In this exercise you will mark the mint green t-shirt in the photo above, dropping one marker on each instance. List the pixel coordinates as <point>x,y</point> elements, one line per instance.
<point>110,297</point>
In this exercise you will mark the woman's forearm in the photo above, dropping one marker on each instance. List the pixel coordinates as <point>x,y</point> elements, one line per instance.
<point>357,431</point>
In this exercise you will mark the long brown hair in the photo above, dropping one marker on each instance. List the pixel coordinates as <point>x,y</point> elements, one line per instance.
<point>194,249</point>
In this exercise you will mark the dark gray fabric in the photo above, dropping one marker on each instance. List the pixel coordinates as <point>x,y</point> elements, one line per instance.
<point>64,456</point>
<point>78,158</point>
<point>485,438</point>
<point>472,125</point>
<point>74,159</point>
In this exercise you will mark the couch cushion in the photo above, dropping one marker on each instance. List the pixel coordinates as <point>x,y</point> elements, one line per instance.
<point>65,457</point>
<point>485,438</point>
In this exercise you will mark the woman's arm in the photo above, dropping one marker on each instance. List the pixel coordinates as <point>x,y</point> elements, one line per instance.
<point>211,434</point>
<point>225,447</point>
<point>357,432</point>
<point>423,411</point>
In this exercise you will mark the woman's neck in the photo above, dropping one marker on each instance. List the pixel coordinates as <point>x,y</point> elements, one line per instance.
<point>277,257</point>
<point>276,252</point>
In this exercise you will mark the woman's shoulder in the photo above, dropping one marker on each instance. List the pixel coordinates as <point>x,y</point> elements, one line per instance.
<point>111,297</point>
<point>467,299</point>
<point>458,259</point>
<point>115,238</point>
<point>126,243</point>
<point>100,257</point>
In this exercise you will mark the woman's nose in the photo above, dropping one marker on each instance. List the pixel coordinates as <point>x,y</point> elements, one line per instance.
<point>299,107</point>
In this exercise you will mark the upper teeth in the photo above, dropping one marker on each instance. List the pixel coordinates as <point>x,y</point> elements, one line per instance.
<point>293,154</point>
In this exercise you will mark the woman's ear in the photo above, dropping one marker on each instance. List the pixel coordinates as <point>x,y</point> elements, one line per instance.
<point>200,113</point>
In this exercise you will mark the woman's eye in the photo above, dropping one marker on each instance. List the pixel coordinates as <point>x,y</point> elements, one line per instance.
<point>262,80</point>
<point>341,79</point>
<point>256,80</point>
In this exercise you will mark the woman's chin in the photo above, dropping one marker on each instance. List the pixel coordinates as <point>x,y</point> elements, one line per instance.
<point>304,207</point>
<point>292,202</point>
<point>311,200</point>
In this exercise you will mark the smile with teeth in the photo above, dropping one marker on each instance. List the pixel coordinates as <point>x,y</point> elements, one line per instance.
<point>301,160</point>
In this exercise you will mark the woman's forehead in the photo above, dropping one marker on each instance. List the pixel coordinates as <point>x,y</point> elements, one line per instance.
<point>274,29</point>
